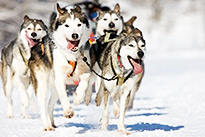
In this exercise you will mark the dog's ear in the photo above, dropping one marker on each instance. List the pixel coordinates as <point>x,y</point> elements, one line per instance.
<point>78,9</point>
<point>26,18</point>
<point>131,21</point>
<point>99,12</point>
<point>59,10</point>
<point>117,8</point>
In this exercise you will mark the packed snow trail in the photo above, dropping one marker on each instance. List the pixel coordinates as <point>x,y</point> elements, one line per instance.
<point>170,103</point>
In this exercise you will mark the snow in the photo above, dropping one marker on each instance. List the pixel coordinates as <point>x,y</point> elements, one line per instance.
<point>170,101</point>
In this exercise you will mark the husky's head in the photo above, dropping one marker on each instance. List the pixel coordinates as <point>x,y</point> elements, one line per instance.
<point>131,52</point>
<point>32,31</point>
<point>109,21</point>
<point>71,29</point>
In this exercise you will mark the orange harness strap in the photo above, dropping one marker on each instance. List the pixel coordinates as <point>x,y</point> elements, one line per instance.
<point>73,64</point>
<point>42,48</point>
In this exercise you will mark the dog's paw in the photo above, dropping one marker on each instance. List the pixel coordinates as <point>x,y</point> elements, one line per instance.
<point>87,100</point>
<point>77,99</point>
<point>25,116</point>
<point>123,131</point>
<point>50,128</point>
<point>69,113</point>
<point>9,116</point>
<point>104,123</point>
<point>98,101</point>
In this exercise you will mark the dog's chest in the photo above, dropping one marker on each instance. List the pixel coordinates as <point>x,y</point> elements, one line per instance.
<point>74,76</point>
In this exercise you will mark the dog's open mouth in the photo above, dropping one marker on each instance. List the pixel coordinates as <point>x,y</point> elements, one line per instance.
<point>32,42</point>
<point>72,45</point>
<point>110,31</point>
<point>136,64</point>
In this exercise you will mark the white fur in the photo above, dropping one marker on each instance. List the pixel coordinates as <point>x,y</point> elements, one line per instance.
<point>57,78</point>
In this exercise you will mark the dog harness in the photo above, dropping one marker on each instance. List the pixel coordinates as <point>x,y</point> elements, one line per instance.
<point>121,77</point>
<point>73,64</point>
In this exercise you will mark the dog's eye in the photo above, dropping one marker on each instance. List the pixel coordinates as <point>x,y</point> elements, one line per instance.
<point>104,19</point>
<point>67,25</point>
<point>39,29</point>
<point>131,45</point>
<point>79,25</point>
<point>29,28</point>
<point>116,19</point>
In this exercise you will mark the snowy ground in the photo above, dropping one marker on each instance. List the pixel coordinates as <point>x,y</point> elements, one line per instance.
<point>170,103</point>
<point>171,99</point>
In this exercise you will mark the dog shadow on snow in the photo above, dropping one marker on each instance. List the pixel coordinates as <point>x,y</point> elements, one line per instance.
<point>139,127</point>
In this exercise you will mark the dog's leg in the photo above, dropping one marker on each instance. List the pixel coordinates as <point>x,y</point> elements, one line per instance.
<point>61,90</point>
<point>99,95</point>
<point>54,97</point>
<point>42,93</point>
<point>88,92</point>
<point>124,100</point>
<point>8,87</point>
<point>80,91</point>
<point>116,108</point>
<point>30,92</point>
<point>23,94</point>
<point>135,88</point>
<point>105,118</point>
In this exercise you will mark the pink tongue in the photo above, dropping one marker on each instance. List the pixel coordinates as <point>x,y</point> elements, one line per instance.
<point>137,67</point>
<point>70,45</point>
<point>31,43</point>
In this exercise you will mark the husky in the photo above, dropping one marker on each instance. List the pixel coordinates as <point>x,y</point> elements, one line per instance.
<point>14,65</point>
<point>59,62</point>
<point>109,24</point>
<point>109,21</point>
<point>129,28</point>
<point>121,60</point>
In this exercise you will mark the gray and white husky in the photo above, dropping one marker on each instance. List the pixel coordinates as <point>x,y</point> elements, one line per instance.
<point>59,62</point>
<point>128,29</point>
<point>14,65</point>
<point>122,58</point>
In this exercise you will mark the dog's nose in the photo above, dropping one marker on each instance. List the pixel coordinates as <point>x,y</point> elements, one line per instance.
<point>33,34</point>
<point>75,36</point>
<point>111,25</point>
<point>140,53</point>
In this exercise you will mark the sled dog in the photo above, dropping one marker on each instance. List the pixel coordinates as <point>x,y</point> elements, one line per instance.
<point>59,62</point>
<point>14,65</point>
<point>121,60</point>
<point>129,28</point>
<point>110,23</point>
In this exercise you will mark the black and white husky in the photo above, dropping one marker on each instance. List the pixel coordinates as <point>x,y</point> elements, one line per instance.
<point>14,65</point>
<point>121,60</point>
<point>59,62</point>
